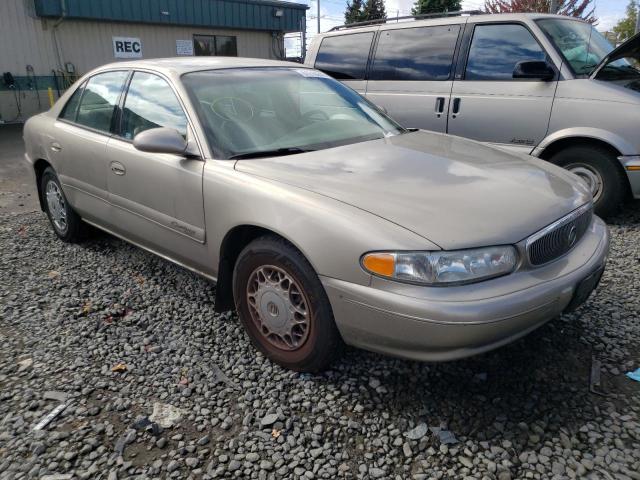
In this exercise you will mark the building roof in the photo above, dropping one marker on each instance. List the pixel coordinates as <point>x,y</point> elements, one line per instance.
<point>271,15</point>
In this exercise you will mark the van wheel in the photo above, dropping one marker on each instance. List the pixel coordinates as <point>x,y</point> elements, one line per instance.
<point>597,167</point>
<point>283,306</point>
<point>65,221</point>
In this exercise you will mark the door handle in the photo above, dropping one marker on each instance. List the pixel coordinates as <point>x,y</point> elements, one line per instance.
<point>118,168</point>
<point>56,147</point>
<point>439,106</point>
<point>456,107</point>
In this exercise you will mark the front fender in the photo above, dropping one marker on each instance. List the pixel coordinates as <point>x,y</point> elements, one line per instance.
<point>616,141</point>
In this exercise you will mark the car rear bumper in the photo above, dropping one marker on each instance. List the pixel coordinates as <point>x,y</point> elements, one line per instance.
<point>446,323</point>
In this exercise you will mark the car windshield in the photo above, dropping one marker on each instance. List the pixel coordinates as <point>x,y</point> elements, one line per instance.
<point>581,45</point>
<point>254,112</point>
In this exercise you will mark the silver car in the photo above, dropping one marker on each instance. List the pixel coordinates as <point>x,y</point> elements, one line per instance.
<point>546,85</point>
<point>321,220</point>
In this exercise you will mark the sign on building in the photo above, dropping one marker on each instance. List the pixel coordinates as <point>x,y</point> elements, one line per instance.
<point>184,47</point>
<point>127,47</point>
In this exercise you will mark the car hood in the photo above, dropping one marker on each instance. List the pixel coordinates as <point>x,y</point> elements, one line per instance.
<point>454,192</point>
<point>628,49</point>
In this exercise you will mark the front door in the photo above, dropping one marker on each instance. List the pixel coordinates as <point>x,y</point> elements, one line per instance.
<point>157,198</point>
<point>488,104</point>
<point>411,75</point>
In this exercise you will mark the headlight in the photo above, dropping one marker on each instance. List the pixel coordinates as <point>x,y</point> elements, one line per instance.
<point>442,268</point>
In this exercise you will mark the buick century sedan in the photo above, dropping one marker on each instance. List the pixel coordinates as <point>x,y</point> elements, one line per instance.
<point>321,220</point>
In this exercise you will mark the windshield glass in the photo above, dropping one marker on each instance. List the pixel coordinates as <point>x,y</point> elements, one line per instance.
<point>260,111</point>
<point>582,46</point>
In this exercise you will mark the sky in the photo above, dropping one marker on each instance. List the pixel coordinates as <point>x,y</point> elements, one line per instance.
<point>332,13</point>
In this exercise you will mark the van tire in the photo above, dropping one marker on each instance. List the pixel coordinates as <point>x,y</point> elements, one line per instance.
<point>597,164</point>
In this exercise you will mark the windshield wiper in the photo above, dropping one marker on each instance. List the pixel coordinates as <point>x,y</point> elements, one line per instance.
<point>277,152</point>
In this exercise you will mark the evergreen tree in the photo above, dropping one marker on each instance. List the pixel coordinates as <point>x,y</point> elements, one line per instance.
<point>374,10</point>
<point>626,27</point>
<point>422,7</point>
<point>354,12</point>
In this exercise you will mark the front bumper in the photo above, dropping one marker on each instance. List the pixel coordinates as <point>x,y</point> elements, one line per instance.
<point>631,165</point>
<point>446,323</point>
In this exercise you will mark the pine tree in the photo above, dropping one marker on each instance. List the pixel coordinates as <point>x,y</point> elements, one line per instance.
<point>584,9</point>
<point>626,27</point>
<point>353,12</point>
<point>422,7</point>
<point>374,10</point>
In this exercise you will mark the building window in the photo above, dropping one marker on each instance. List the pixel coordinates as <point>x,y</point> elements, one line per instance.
<point>215,45</point>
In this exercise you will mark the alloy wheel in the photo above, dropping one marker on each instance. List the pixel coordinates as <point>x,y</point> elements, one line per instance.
<point>57,206</point>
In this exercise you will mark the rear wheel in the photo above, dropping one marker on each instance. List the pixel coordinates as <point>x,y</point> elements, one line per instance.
<point>65,221</point>
<point>283,306</point>
<point>598,168</point>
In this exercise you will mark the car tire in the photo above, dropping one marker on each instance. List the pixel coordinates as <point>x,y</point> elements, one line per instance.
<point>598,167</point>
<point>66,223</point>
<point>283,306</point>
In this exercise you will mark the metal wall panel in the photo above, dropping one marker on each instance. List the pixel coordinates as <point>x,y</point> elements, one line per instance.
<point>239,14</point>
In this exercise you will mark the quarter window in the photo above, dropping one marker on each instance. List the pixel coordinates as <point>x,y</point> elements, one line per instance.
<point>496,49</point>
<point>345,56</point>
<point>151,103</point>
<point>99,100</point>
<point>415,53</point>
<point>71,108</point>
<point>215,45</point>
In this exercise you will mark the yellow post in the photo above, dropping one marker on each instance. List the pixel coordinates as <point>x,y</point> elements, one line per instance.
<point>51,100</point>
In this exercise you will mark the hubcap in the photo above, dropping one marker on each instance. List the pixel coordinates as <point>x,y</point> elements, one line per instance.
<point>57,206</point>
<point>278,307</point>
<point>590,176</point>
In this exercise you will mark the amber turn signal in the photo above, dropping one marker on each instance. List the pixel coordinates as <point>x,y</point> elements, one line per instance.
<point>380,263</point>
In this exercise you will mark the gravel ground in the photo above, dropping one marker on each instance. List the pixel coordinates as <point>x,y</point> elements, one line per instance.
<point>69,314</point>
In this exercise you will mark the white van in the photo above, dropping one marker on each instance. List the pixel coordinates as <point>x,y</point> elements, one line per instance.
<point>546,85</point>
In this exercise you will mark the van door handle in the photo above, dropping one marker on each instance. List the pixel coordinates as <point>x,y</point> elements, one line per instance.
<point>118,168</point>
<point>439,106</point>
<point>56,147</point>
<point>456,107</point>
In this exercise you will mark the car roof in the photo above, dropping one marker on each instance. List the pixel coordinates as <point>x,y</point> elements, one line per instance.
<point>180,65</point>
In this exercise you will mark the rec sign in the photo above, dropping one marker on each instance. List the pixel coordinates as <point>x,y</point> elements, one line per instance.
<point>127,47</point>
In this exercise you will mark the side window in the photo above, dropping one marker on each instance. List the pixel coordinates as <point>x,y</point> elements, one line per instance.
<point>496,49</point>
<point>151,103</point>
<point>71,108</point>
<point>100,99</point>
<point>424,53</point>
<point>220,45</point>
<point>344,57</point>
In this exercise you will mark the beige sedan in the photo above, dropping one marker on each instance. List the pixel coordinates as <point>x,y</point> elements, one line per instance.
<point>321,219</point>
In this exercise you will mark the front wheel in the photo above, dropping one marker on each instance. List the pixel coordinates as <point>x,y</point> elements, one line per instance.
<point>598,168</point>
<point>283,306</point>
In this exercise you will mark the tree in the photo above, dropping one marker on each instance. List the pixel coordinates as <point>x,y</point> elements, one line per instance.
<point>354,12</point>
<point>422,7</point>
<point>374,10</point>
<point>626,27</point>
<point>573,8</point>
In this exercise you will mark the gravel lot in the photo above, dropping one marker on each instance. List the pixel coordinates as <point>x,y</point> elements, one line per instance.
<point>70,313</point>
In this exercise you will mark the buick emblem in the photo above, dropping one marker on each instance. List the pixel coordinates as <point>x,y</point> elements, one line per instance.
<point>572,236</point>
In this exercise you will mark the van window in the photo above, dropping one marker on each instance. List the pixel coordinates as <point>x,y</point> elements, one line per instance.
<point>345,57</point>
<point>424,53</point>
<point>496,49</point>
<point>100,99</point>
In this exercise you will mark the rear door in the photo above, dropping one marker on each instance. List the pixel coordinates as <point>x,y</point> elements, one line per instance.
<point>412,74</point>
<point>157,198</point>
<point>487,103</point>
<point>345,58</point>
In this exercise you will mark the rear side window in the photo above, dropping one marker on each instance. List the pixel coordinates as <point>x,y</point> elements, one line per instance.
<point>71,108</point>
<point>496,49</point>
<point>99,100</point>
<point>424,53</point>
<point>345,57</point>
<point>151,103</point>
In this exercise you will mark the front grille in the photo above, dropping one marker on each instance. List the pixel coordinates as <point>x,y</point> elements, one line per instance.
<point>559,237</point>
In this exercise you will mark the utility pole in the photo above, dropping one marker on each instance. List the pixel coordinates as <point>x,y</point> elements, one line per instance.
<point>553,7</point>
<point>318,15</point>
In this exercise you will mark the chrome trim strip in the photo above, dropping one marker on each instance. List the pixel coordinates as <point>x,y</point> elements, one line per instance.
<point>555,225</point>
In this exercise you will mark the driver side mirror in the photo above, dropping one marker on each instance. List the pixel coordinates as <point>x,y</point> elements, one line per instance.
<point>164,140</point>
<point>534,70</point>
